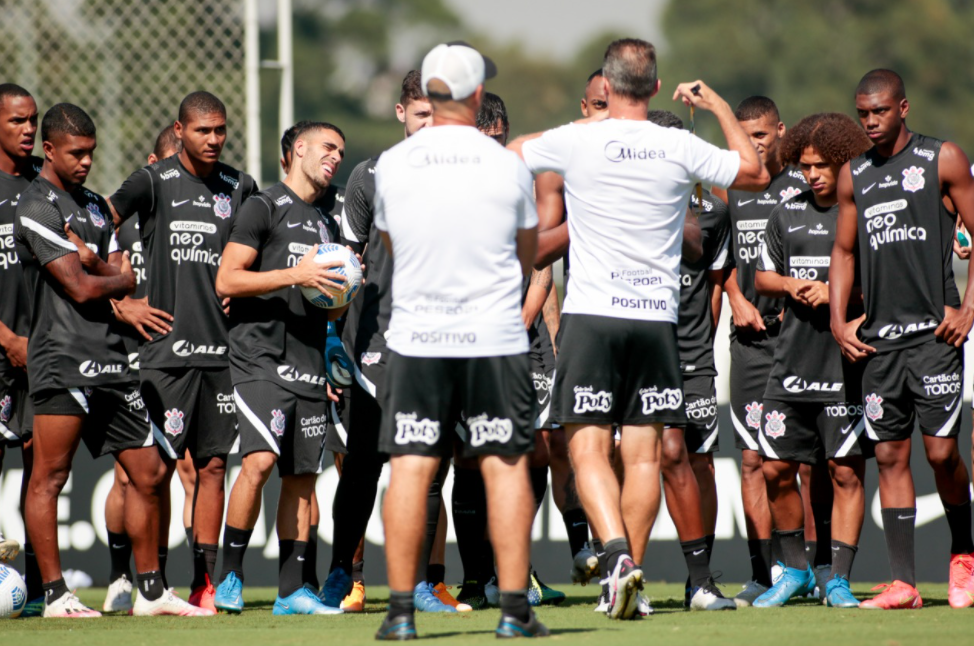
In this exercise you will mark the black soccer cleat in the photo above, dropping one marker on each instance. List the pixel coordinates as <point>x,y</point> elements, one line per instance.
<point>399,628</point>
<point>511,627</point>
<point>473,594</point>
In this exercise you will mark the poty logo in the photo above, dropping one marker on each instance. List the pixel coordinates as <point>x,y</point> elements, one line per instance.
<point>235,183</point>
<point>874,407</point>
<point>94,369</point>
<point>174,422</point>
<point>186,349</point>
<point>221,206</point>
<point>409,429</point>
<point>654,400</point>
<point>588,401</point>
<point>6,407</point>
<point>278,422</point>
<point>618,151</point>
<point>790,192</point>
<point>95,213</point>
<point>483,430</point>
<point>923,152</point>
<point>753,418</point>
<point>172,173</point>
<point>291,374</point>
<point>913,179</point>
<point>775,426</point>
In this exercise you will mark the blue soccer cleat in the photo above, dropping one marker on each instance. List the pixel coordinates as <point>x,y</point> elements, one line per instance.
<point>336,588</point>
<point>339,371</point>
<point>229,595</point>
<point>510,627</point>
<point>34,608</point>
<point>425,601</point>
<point>838,594</point>
<point>303,602</point>
<point>793,583</point>
<point>400,628</point>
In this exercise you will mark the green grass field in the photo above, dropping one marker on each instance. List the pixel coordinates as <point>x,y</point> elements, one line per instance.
<point>801,622</point>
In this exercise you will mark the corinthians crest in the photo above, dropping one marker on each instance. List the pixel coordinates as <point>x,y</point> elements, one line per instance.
<point>6,406</point>
<point>174,422</point>
<point>277,422</point>
<point>95,214</point>
<point>775,426</point>
<point>913,179</point>
<point>221,205</point>
<point>754,411</point>
<point>874,407</point>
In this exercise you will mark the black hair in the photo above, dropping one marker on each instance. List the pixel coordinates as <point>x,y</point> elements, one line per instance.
<point>882,80</point>
<point>166,141</point>
<point>302,127</point>
<point>594,75</point>
<point>492,110</point>
<point>12,91</point>
<point>200,102</point>
<point>412,88</point>
<point>66,119</point>
<point>665,118</point>
<point>756,107</point>
<point>630,68</point>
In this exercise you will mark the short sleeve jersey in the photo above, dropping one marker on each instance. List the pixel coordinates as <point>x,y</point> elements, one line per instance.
<point>452,201</point>
<point>184,221</point>
<point>695,330</point>
<point>627,186</point>
<point>130,240</point>
<point>280,336</point>
<point>14,301</point>
<point>749,213</point>
<point>71,344</point>
<point>905,244</point>
<point>808,365</point>
<point>367,320</point>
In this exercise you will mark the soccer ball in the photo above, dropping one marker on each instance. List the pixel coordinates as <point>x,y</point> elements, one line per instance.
<point>351,270</point>
<point>13,592</point>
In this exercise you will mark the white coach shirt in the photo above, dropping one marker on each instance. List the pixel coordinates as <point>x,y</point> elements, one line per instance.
<point>452,200</point>
<point>627,186</point>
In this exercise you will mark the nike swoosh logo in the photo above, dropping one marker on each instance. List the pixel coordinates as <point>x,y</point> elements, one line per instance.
<point>175,203</point>
<point>68,219</point>
<point>578,524</point>
<point>232,544</point>
<point>117,547</point>
<point>867,189</point>
<point>291,226</point>
<point>300,558</point>
<point>711,424</point>
<point>793,229</point>
<point>740,203</point>
<point>906,517</point>
<point>2,203</point>
<point>836,549</point>
<point>951,404</point>
<point>928,509</point>
<point>698,552</point>
<point>845,429</point>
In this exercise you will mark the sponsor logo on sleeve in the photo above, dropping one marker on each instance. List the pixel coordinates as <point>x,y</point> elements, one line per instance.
<point>169,174</point>
<point>235,183</point>
<point>924,152</point>
<point>861,167</point>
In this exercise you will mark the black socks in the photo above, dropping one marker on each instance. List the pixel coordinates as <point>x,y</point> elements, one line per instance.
<point>576,524</point>
<point>310,574</point>
<point>150,584</point>
<point>959,521</point>
<point>204,563</point>
<point>400,603</point>
<point>898,525</point>
<point>291,572</point>
<point>698,561</point>
<point>614,550</point>
<point>842,557</point>
<point>515,604</point>
<point>235,542</point>
<point>760,551</point>
<point>120,551</point>
<point>54,591</point>
<point>792,543</point>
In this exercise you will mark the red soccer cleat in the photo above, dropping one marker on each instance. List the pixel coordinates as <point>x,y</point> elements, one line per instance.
<point>960,591</point>
<point>894,596</point>
<point>203,596</point>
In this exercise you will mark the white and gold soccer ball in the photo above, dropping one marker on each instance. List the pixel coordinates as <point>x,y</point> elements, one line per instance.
<point>350,268</point>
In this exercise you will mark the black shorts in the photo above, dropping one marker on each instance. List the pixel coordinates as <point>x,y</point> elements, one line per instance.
<point>542,354</point>
<point>364,409</point>
<point>291,426</point>
<point>337,436</point>
<point>752,356</point>
<point>617,371</point>
<point>812,432</point>
<point>700,431</point>
<point>115,417</point>
<point>920,384</point>
<point>427,396</point>
<point>16,409</point>
<point>191,409</point>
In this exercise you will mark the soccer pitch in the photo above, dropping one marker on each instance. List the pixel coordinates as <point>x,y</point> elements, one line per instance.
<point>801,622</point>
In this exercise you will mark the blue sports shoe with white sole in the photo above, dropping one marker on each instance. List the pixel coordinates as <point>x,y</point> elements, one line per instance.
<point>336,588</point>
<point>425,601</point>
<point>303,602</point>
<point>229,595</point>
<point>838,594</point>
<point>793,583</point>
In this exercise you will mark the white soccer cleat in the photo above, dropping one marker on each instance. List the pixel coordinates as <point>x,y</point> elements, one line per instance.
<point>752,590</point>
<point>9,548</point>
<point>585,565</point>
<point>708,597</point>
<point>603,602</point>
<point>625,584</point>
<point>68,607</point>
<point>643,607</point>
<point>119,597</point>
<point>167,605</point>
<point>492,593</point>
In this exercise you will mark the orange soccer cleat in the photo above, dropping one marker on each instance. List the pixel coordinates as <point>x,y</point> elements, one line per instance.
<point>960,591</point>
<point>204,596</point>
<point>355,601</point>
<point>894,596</point>
<point>442,592</point>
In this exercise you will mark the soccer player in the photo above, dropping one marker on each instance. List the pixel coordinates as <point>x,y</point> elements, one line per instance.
<point>277,359</point>
<point>366,328</point>
<point>755,326</point>
<point>812,413</point>
<point>185,205</point>
<point>616,317</point>
<point>137,315</point>
<point>687,457</point>
<point>18,130</point>
<point>457,338</point>
<point>897,202</point>
<point>80,384</point>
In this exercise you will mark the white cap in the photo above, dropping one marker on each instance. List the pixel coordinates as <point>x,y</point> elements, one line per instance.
<point>461,67</point>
